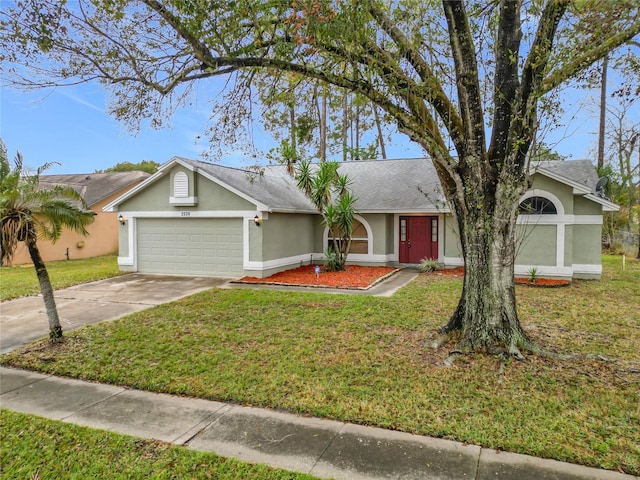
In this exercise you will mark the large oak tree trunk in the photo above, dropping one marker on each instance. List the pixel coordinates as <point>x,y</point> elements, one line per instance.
<point>55,329</point>
<point>486,313</point>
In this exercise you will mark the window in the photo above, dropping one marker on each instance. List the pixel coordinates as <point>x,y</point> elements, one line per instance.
<point>359,239</point>
<point>537,206</point>
<point>180,185</point>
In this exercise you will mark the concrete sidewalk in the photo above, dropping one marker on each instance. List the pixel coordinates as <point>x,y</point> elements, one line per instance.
<point>324,448</point>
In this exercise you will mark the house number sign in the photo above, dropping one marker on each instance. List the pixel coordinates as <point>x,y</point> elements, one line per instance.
<point>185,214</point>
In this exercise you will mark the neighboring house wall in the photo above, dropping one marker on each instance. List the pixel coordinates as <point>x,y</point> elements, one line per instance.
<point>102,239</point>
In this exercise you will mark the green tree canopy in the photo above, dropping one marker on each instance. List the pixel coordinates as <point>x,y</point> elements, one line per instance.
<point>148,166</point>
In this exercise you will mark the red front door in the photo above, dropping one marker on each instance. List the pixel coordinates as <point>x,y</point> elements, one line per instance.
<point>418,239</point>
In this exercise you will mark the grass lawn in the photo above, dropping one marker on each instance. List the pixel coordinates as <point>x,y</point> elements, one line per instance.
<point>366,360</point>
<point>37,448</point>
<point>21,280</point>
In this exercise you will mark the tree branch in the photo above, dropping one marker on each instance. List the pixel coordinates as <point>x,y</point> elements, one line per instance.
<point>523,124</point>
<point>469,97</point>
<point>434,94</point>
<point>506,79</point>
<point>588,56</point>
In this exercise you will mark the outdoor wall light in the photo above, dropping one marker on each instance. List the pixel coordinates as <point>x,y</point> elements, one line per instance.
<point>257,220</point>
<point>122,219</point>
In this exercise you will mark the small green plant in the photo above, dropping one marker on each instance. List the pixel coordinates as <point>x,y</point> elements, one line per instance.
<point>428,265</point>
<point>332,261</point>
<point>533,274</point>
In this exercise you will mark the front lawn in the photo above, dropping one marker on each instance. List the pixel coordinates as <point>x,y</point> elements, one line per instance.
<point>366,360</point>
<point>38,448</point>
<point>21,280</point>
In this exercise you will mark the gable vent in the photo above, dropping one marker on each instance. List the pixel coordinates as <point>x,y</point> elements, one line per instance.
<point>180,185</point>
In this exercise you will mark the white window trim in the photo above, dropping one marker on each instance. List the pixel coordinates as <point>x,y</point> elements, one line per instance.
<point>536,192</point>
<point>325,237</point>
<point>185,201</point>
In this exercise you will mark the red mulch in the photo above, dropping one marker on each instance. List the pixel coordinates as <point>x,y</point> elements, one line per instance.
<point>450,272</point>
<point>538,282</point>
<point>543,282</point>
<point>354,276</point>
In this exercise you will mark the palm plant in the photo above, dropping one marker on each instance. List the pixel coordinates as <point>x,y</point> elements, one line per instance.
<point>29,212</point>
<point>329,192</point>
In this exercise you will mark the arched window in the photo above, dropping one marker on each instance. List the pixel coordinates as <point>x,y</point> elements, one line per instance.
<point>359,238</point>
<point>537,206</point>
<point>180,185</point>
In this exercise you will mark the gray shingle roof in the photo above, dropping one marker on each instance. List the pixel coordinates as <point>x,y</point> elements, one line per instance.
<point>578,171</point>
<point>94,187</point>
<point>270,186</point>
<point>403,185</point>
<point>378,185</point>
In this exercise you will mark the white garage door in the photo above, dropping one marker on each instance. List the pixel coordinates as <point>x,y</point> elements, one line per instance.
<point>193,246</point>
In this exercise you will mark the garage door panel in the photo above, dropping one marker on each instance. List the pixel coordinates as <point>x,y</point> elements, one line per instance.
<point>190,246</point>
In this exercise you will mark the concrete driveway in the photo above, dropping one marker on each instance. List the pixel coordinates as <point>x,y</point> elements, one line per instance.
<point>24,319</point>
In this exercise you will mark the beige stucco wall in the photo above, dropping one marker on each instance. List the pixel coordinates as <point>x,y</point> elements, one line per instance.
<point>380,224</point>
<point>568,246</point>
<point>451,237</point>
<point>584,206</point>
<point>102,238</point>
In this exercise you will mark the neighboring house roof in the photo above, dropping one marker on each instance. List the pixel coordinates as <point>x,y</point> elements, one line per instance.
<point>94,187</point>
<point>379,186</point>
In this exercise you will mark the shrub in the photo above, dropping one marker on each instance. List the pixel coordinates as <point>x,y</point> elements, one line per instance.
<point>428,265</point>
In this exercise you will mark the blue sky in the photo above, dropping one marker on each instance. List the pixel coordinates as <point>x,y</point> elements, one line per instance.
<point>69,125</point>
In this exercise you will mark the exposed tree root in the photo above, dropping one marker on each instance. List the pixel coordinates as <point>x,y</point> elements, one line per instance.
<point>451,359</point>
<point>439,341</point>
<point>514,350</point>
<point>55,334</point>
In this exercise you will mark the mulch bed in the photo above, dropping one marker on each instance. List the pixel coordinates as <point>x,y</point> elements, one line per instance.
<point>538,282</point>
<point>542,282</point>
<point>354,276</point>
<point>450,272</point>
<point>362,278</point>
